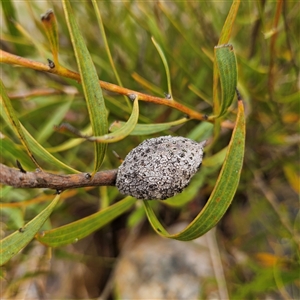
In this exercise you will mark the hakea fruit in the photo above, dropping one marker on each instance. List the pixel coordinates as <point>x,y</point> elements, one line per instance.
<point>159,168</point>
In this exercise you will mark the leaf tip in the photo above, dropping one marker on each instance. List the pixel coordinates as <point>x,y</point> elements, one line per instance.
<point>48,16</point>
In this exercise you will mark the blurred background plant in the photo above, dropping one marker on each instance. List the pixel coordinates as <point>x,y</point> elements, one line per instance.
<point>259,235</point>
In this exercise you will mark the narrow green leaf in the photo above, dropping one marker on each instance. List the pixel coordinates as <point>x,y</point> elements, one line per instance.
<point>222,194</point>
<point>147,84</point>
<point>77,230</point>
<point>192,43</point>
<point>50,26</point>
<point>12,215</point>
<point>41,152</point>
<point>164,60</point>
<point>10,151</point>
<point>13,120</point>
<point>228,25</point>
<point>32,144</point>
<point>215,160</point>
<point>156,225</point>
<point>146,129</point>
<point>111,62</point>
<point>224,39</point>
<point>71,143</point>
<point>90,83</point>
<point>66,146</point>
<point>227,67</point>
<point>199,93</point>
<point>201,132</point>
<point>15,242</point>
<point>119,133</point>
<point>122,132</point>
<point>46,129</point>
<point>9,14</point>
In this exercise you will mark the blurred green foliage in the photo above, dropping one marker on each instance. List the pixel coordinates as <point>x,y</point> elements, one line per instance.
<point>263,221</point>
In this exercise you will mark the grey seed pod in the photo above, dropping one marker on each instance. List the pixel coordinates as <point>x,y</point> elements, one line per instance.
<point>159,168</point>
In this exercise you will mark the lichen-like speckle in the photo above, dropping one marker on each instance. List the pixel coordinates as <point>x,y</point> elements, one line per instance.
<point>159,168</point>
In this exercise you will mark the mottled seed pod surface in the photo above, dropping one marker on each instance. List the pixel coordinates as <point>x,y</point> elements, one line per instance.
<point>159,168</point>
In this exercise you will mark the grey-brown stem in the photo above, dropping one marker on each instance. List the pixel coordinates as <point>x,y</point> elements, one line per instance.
<point>40,179</point>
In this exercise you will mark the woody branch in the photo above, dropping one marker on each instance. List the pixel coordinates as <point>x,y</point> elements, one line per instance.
<point>19,178</point>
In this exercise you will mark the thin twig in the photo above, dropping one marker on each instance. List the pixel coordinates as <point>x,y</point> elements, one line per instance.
<point>40,179</point>
<point>9,58</point>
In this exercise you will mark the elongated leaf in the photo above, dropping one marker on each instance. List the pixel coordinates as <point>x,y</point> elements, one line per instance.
<point>227,68</point>
<point>50,27</point>
<point>90,83</point>
<point>111,61</point>
<point>118,134</point>
<point>15,242</point>
<point>222,194</point>
<point>77,230</point>
<point>122,132</point>
<point>145,129</point>
<point>46,129</point>
<point>199,93</point>
<point>193,44</point>
<point>147,84</point>
<point>201,132</point>
<point>32,144</point>
<point>41,152</point>
<point>215,160</point>
<point>11,151</point>
<point>164,60</point>
<point>223,40</point>
<point>9,16</point>
<point>66,145</point>
<point>228,25</point>
<point>13,120</point>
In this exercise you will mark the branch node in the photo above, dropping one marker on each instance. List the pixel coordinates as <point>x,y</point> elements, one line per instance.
<point>132,97</point>
<point>168,96</point>
<point>51,64</point>
<point>238,94</point>
<point>87,176</point>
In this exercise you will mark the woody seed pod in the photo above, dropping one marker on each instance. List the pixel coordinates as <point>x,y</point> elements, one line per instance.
<point>159,168</point>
